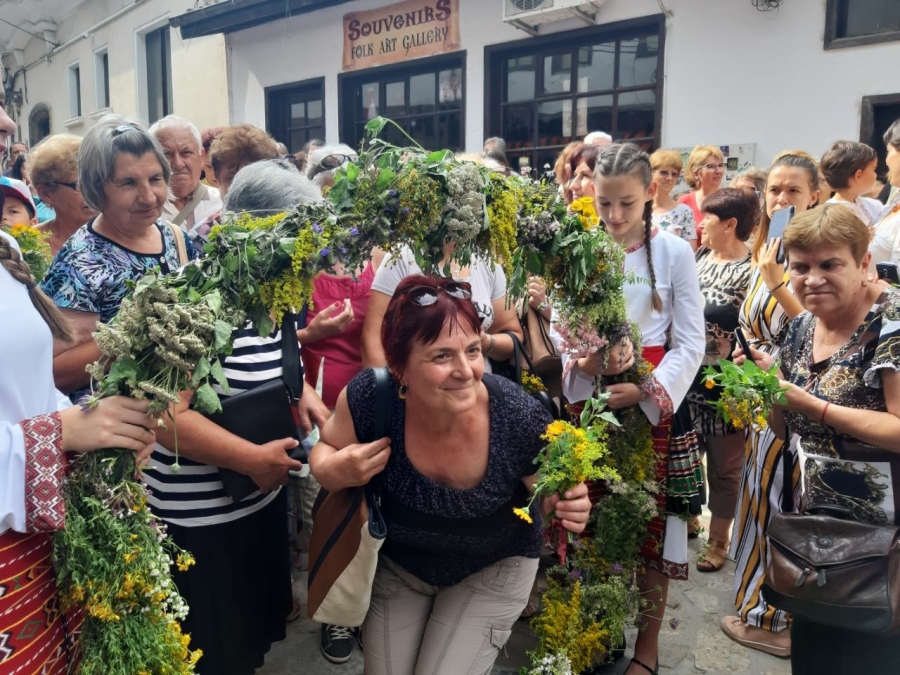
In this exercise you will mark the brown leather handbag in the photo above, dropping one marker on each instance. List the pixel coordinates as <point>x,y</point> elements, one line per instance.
<point>835,572</point>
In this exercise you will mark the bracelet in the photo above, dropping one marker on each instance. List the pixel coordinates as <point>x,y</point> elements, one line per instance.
<point>490,346</point>
<point>824,410</point>
<point>772,290</point>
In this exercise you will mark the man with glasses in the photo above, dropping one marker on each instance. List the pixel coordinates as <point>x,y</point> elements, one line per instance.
<point>190,201</point>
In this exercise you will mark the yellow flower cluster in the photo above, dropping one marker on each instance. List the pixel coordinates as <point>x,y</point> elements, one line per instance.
<point>562,627</point>
<point>523,514</point>
<point>743,412</point>
<point>419,202</point>
<point>503,213</point>
<point>532,383</point>
<point>293,288</point>
<point>35,247</point>
<point>587,212</point>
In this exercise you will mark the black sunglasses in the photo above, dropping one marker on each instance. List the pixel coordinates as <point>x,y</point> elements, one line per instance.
<point>425,296</point>
<point>71,186</point>
<point>334,161</point>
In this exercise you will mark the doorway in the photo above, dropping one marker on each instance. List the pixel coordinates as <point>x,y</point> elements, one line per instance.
<point>878,113</point>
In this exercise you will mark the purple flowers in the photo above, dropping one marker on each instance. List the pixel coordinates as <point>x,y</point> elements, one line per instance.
<point>316,228</point>
<point>354,232</point>
<point>325,252</point>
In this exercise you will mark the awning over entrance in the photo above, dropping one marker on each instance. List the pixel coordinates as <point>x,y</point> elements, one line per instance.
<point>234,15</point>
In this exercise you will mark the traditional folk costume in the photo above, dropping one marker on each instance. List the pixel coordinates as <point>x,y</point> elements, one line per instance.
<point>35,635</point>
<point>762,482</point>
<point>673,340</point>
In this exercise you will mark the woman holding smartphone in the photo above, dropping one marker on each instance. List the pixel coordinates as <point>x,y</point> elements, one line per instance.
<point>793,181</point>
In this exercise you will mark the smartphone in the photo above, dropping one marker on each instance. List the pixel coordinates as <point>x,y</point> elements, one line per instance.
<point>777,225</point>
<point>742,342</point>
<point>889,272</point>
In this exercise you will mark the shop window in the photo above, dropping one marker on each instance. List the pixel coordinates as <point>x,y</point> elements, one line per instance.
<point>546,92</point>
<point>850,23</point>
<point>426,100</point>
<point>295,113</point>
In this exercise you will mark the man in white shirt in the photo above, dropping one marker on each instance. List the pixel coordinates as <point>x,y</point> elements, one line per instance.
<point>190,201</point>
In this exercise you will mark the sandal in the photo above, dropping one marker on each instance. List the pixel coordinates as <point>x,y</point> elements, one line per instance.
<point>641,664</point>
<point>534,602</point>
<point>713,556</point>
<point>694,527</point>
<point>296,609</point>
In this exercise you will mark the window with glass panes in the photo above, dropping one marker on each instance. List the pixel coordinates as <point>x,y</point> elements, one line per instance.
<point>851,23</point>
<point>556,90</point>
<point>295,113</point>
<point>425,100</point>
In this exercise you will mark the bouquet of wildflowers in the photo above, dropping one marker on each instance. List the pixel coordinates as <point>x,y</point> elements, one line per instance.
<point>748,392</point>
<point>35,247</point>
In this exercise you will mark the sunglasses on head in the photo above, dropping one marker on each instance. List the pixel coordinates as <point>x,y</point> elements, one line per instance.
<point>425,296</point>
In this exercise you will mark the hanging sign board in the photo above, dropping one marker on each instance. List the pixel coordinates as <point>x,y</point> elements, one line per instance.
<point>407,30</point>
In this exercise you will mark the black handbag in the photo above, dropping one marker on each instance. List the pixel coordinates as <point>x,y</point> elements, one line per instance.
<point>266,413</point>
<point>512,370</point>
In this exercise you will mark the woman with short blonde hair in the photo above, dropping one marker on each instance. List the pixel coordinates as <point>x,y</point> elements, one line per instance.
<point>668,214</point>
<point>705,172</point>
<point>54,176</point>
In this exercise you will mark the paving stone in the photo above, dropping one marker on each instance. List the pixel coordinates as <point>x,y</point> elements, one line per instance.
<point>715,653</point>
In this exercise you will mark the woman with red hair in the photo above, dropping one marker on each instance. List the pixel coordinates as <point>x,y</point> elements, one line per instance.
<point>457,564</point>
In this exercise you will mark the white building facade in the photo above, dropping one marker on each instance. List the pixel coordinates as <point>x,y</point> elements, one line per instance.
<point>666,73</point>
<point>73,62</point>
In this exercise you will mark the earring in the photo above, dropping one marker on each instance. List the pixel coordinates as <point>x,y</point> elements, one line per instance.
<point>403,391</point>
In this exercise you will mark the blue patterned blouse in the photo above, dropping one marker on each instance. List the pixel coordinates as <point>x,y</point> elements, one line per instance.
<point>89,272</point>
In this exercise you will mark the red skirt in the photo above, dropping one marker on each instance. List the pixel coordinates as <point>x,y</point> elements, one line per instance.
<point>36,637</point>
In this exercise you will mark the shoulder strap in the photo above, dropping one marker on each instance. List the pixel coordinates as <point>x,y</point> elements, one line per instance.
<point>197,197</point>
<point>787,461</point>
<point>382,402</point>
<point>291,367</point>
<point>179,244</point>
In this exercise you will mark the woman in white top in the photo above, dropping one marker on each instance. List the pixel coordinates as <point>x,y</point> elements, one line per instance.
<point>668,214</point>
<point>488,295</point>
<point>885,246</point>
<point>669,311</point>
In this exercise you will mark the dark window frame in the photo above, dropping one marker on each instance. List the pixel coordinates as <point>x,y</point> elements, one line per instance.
<point>495,73</point>
<point>160,99</point>
<point>834,41</point>
<point>383,74</point>
<point>278,120</point>
<point>867,123</point>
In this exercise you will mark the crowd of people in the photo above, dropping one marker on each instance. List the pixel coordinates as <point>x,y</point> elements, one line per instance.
<point>125,200</point>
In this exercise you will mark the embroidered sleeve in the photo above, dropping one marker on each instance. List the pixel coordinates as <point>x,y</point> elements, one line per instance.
<point>655,392</point>
<point>887,350</point>
<point>45,466</point>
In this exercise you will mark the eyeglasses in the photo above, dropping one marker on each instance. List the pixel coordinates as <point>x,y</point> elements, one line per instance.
<point>425,296</point>
<point>714,167</point>
<point>71,186</point>
<point>334,161</point>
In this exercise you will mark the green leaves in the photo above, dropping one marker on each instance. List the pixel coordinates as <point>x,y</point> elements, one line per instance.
<point>207,400</point>
<point>223,334</point>
<point>748,393</point>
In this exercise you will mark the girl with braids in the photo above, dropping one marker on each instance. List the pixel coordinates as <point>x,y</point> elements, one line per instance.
<point>669,312</point>
<point>770,304</point>
<point>38,429</point>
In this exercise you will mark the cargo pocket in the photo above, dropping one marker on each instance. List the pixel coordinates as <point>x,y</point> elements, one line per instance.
<point>499,638</point>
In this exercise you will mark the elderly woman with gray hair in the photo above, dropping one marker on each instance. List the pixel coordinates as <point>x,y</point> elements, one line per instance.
<point>122,174</point>
<point>239,593</point>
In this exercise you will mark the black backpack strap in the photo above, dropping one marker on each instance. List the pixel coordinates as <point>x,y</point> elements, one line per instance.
<point>787,461</point>
<point>382,402</point>
<point>291,366</point>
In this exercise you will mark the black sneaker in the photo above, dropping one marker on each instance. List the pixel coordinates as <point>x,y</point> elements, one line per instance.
<point>337,643</point>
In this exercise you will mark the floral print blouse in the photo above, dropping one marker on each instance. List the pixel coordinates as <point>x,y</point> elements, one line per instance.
<point>838,469</point>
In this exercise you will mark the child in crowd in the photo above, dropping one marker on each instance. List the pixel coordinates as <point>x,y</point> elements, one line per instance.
<point>849,168</point>
<point>18,206</point>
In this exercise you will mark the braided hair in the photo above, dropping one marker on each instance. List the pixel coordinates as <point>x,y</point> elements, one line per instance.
<point>12,262</point>
<point>627,159</point>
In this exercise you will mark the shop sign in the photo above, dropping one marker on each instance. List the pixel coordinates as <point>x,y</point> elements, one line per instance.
<point>407,30</point>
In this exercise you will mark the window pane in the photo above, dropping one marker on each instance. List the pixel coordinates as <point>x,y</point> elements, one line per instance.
<point>557,73</point>
<point>422,93</point>
<point>450,131</point>
<point>395,98</point>
<point>298,115</point>
<point>636,115</point>
<point>638,60</point>
<point>518,126</point>
<point>596,67</point>
<point>867,17</point>
<point>298,140</point>
<point>520,79</point>
<point>314,112</point>
<point>450,92</point>
<point>423,130</point>
<point>554,123</point>
<point>370,102</point>
<point>594,113</point>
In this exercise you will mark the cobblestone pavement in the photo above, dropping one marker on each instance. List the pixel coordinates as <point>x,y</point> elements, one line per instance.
<point>694,645</point>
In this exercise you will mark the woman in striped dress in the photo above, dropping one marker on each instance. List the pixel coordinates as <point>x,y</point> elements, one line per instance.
<point>769,305</point>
